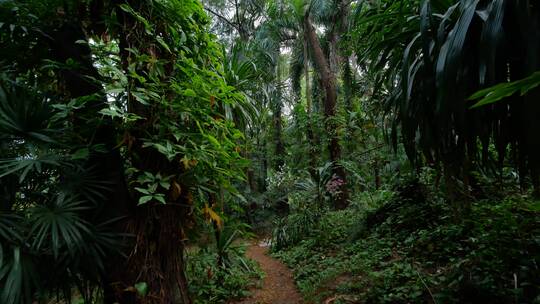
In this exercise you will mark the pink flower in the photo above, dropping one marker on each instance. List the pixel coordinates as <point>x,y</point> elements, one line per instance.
<point>334,184</point>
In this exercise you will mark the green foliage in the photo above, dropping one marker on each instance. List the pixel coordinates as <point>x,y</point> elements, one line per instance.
<point>199,137</point>
<point>290,230</point>
<point>412,250</point>
<point>48,219</point>
<point>151,183</point>
<point>219,273</point>
<point>209,283</point>
<point>428,57</point>
<point>306,198</point>
<point>503,90</point>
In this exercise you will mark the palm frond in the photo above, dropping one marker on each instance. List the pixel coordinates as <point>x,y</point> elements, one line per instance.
<point>18,276</point>
<point>23,114</point>
<point>58,225</point>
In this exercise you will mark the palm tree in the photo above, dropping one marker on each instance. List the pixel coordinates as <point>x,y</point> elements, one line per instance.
<point>291,24</point>
<point>327,74</point>
<point>432,57</point>
<point>54,232</point>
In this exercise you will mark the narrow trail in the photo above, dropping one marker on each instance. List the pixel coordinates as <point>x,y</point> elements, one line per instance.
<point>278,284</point>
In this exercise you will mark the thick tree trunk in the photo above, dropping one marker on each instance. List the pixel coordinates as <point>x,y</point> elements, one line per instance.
<point>157,255</point>
<point>333,52</point>
<point>328,81</point>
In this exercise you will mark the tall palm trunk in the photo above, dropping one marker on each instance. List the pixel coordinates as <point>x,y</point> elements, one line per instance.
<point>328,81</point>
<point>311,138</point>
<point>348,83</point>
<point>277,112</point>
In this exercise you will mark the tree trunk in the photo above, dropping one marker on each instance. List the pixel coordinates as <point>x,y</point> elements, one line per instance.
<point>311,139</point>
<point>278,138</point>
<point>278,141</point>
<point>264,173</point>
<point>157,255</point>
<point>328,81</point>
<point>348,83</point>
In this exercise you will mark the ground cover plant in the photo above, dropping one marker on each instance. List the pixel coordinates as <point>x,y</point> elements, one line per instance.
<point>409,250</point>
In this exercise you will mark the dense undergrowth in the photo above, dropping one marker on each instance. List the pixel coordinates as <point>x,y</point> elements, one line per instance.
<point>415,248</point>
<point>210,283</point>
<point>218,270</point>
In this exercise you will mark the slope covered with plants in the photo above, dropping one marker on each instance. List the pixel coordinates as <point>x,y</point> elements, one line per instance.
<point>386,149</point>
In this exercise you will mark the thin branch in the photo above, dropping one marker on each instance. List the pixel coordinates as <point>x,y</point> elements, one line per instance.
<point>425,285</point>
<point>222,18</point>
<point>237,17</point>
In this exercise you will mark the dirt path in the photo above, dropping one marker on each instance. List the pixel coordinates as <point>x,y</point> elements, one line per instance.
<point>278,285</point>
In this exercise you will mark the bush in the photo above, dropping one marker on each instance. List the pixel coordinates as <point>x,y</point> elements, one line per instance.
<point>218,271</point>
<point>291,229</point>
<point>213,283</point>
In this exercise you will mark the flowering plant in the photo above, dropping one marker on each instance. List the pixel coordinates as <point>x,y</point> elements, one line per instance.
<point>334,184</point>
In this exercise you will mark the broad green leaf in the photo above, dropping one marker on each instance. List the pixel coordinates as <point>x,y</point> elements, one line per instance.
<point>163,43</point>
<point>142,190</point>
<point>80,154</point>
<point>160,198</point>
<point>142,288</point>
<point>140,97</point>
<point>189,93</point>
<point>213,140</point>
<point>503,90</point>
<point>144,199</point>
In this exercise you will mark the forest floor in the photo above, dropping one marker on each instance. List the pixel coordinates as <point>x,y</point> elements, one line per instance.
<point>278,286</point>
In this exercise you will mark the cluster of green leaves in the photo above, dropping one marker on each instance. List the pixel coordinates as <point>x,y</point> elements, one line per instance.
<point>184,109</point>
<point>54,237</point>
<point>411,249</point>
<point>209,283</point>
<point>316,257</point>
<point>291,229</point>
<point>186,140</point>
<point>219,272</point>
<point>305,196</point>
